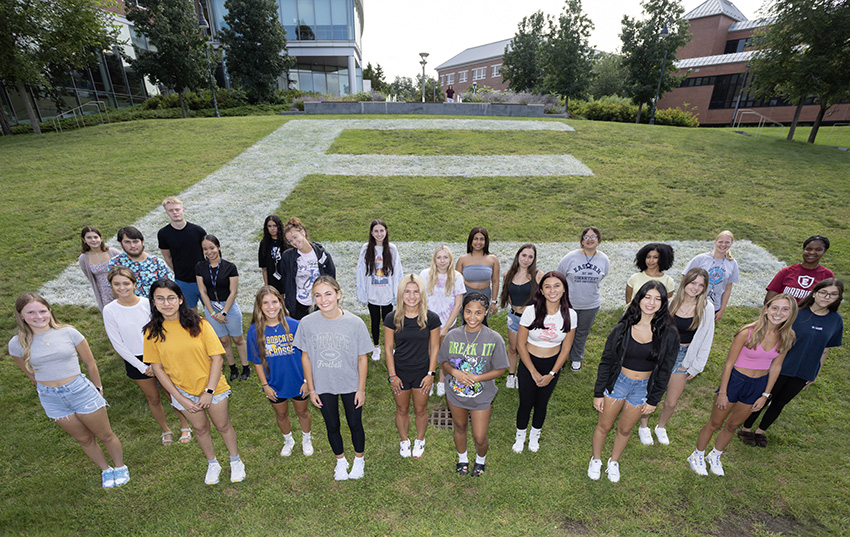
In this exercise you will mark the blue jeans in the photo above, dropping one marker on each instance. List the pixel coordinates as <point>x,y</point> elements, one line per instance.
<point>195,398</point>
<point>191,295</point>
<point>633,391</point>
<point>680,357</point>
<point>76,397</point>
<point>513,322</point>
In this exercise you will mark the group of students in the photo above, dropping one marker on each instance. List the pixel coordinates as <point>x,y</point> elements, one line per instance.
<point>657,346</point>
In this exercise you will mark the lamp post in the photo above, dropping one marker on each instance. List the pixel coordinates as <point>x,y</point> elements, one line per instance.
<point>203,25</point>
<point>665,32</point>
<point>423,55</point>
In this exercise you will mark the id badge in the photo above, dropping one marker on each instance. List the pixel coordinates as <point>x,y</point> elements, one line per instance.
<point>218,307</point>
<point>276,275</point>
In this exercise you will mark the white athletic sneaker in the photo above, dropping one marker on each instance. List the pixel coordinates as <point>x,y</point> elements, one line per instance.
<point>645,436</point>
<point>357,468</point>
<point>714,464</point>
<point>307,445</point>
<point>661,433</point>
<point>511,382</point>
<point>441,389</point>
<point>376,354</point>
<point>213,471</point>
<point>594,469</point>
<point>613,471</point>
<point>404,448</point>
<point>697,462</point>
<point>519,443</point>
<point>237,471</point>
<point>575,366</point>
<point>418,448</point>
<point>341,470</point>
<point>288,444</point>
<point>534,440</point>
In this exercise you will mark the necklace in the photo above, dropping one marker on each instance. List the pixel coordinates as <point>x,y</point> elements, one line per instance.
<point>466,335</point>
<point>589,259</point>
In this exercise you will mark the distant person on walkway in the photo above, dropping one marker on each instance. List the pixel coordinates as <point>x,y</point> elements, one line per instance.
<point>147,268</point>
<point>300,266</point>
<point>180,244</point>
<point>584,269</point>
<point>722,272</point>
<point>450,94</point>
<point>518,290</point>
<point>480,268</point>
<point>49,354</point>
<point>94,262</point>
<point>652,260</point>
<point>799,279</point>
<point>379,272</point>
<point>271,247</point>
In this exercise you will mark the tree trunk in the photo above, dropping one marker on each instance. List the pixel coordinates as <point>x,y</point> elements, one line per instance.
<point>640,106</point>
<point>816,126</point>
<point>4,122</point>
<point>794,121</point>
<point>182,104</point>
<point>25,96</point>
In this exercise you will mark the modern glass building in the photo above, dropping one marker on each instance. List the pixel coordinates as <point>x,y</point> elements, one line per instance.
<point>324,37</point>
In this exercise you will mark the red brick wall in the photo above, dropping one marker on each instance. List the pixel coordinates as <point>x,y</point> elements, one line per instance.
<point>708,37</point>
<point>489,80</point>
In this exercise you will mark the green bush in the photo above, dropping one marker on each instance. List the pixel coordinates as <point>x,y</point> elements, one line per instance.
<point>620,110</point>
<point>676,117</point>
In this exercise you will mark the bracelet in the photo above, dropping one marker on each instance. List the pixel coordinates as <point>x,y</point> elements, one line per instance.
<point>264,385</point>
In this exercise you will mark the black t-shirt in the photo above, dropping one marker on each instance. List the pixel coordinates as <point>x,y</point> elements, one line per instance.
<point>268,256</point>
<point>411,342</point>
<point>222,274</point>
<point>185,248</point>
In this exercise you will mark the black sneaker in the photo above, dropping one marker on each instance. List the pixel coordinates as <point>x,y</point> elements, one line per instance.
<point>246,372</point>
<point>234,372</point>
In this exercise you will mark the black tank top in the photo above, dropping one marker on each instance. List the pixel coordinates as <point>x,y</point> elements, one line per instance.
<point>637,355</point>
<point>520,294</point>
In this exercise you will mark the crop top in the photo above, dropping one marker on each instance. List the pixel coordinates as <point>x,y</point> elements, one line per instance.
<point>553,334</point>
<point>53,354</point>
<point>757,358</point>
<point>683,325</point>
<point>637,355</point>
<point>520,294</point>
<point>477,273</point>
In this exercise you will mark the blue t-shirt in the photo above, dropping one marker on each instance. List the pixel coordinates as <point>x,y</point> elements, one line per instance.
<point>286,374</point>
<point>814,334</point>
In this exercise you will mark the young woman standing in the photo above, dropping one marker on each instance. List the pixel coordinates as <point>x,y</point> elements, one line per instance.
<point>633,372</point>
<point>185,354</point>
<point>584,269</point>
<point>411,342</point>
<point>722,272</point>
<point>94,262</point>
<point>798,279</point>
<point>518,290</point>
<point>652,260</point>
<point>218,284</point>
<point>472,356</point>
<point>334,344</point>
<point>752,367</point>
<point>278,365</point>
<point>479,267</point>
<point>546,332</point>
<point>818,327</point>
<point>49,354</point>
<point>378,274</point>
<point>271,247</point>
<point>124,318</point>
<point>444,290</point>
<point>693,315</point>
<point>300,266</point>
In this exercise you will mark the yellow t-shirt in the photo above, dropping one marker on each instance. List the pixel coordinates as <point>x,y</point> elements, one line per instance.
<point>186,359</point>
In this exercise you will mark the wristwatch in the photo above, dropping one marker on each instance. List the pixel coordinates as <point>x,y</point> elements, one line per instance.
<point>552,373</point>
<point>767,395</point>
<point>209,391</point>
<point>431,373</point>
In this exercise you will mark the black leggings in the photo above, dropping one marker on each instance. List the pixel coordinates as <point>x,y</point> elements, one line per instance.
<point>531,396</point>
<point>785,389</point>
<point>377,314</point>
<point>330,412</point>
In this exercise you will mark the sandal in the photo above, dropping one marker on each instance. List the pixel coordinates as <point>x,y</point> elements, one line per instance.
<point>760,439</point>
<point>185,436</point>
<point>477,470</point>
<point>747,437</point>
<point>462,468</point>
<point>164,441</point>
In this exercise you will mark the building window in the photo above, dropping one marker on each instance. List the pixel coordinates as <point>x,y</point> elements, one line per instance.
<point>698,81</point>
<point>479,74</point>
<point>736,45</point>
<point>442,80</point>
<point>451,79</point>
<point>495,70</point>
<point>461,77</point>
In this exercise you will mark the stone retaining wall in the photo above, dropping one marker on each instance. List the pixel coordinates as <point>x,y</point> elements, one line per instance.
<point>447,109</point>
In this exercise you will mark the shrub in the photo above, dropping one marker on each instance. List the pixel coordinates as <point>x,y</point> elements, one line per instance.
<point>676,117</point>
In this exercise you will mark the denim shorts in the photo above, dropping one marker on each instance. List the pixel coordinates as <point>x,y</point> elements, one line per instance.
<point>513,321</point>
<point>195,398</point>
<point>191,295</point>
<point>633,391</point>
<point>677,367</point>
<point>744,389</point>
<point>77,397</point>
<point>233,324</point>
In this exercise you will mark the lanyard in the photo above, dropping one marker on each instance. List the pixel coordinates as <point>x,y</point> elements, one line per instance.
<point>214,278</point>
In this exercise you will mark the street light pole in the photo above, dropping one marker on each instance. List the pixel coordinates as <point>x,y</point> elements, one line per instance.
<point>203,25</point>
<point>665,32</point>
<point>423,55</point>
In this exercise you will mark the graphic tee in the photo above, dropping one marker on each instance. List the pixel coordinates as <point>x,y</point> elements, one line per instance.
<point>798,281</point>
<point>306,273</point>
<point>476,353</point>
<point>286,374</point>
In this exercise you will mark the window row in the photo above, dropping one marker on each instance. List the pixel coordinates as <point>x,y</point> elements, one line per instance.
<point>479,73</point>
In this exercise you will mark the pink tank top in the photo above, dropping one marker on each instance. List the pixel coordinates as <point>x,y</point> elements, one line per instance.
<point>757,358</point>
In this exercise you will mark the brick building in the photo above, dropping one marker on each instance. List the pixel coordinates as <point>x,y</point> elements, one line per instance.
<point>479,64</point>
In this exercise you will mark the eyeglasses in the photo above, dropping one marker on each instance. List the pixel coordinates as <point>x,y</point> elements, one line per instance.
<point>163,299</point>
<point>589,237</point>
<point>824,294</point>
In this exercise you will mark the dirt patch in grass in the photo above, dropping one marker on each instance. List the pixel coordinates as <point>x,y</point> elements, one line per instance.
<point>571,527</point>
<point>761,524</point>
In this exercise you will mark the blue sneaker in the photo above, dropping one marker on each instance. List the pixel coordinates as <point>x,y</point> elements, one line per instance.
<point>108,478</point>
<point>121,475</point>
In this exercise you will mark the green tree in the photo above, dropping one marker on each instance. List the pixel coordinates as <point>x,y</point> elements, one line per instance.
<point>433,91</point>
<point>644,49</point>
<point>40,41</point>
<point>255,42</point>
<point>376,75</point>
<point>178,60</point>
<point>566,54</point>
<point>521,65</point>
<point>609,75</point>
<point>404,88</point>
<point>804,52</point>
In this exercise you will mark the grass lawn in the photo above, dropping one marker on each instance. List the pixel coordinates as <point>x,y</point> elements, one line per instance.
<point>649,184</point>
<point>838,136</point>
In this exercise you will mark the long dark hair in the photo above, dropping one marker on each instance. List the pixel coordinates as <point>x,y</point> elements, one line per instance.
<point>540,303</point>
<point>267,239</point>
<point>509,276</point>
<point>472,233</point>
<point>189,320</point>
<point>661,321</point>
<point>91,229</point>
<point>809,300</point>
<point>370,250</point>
